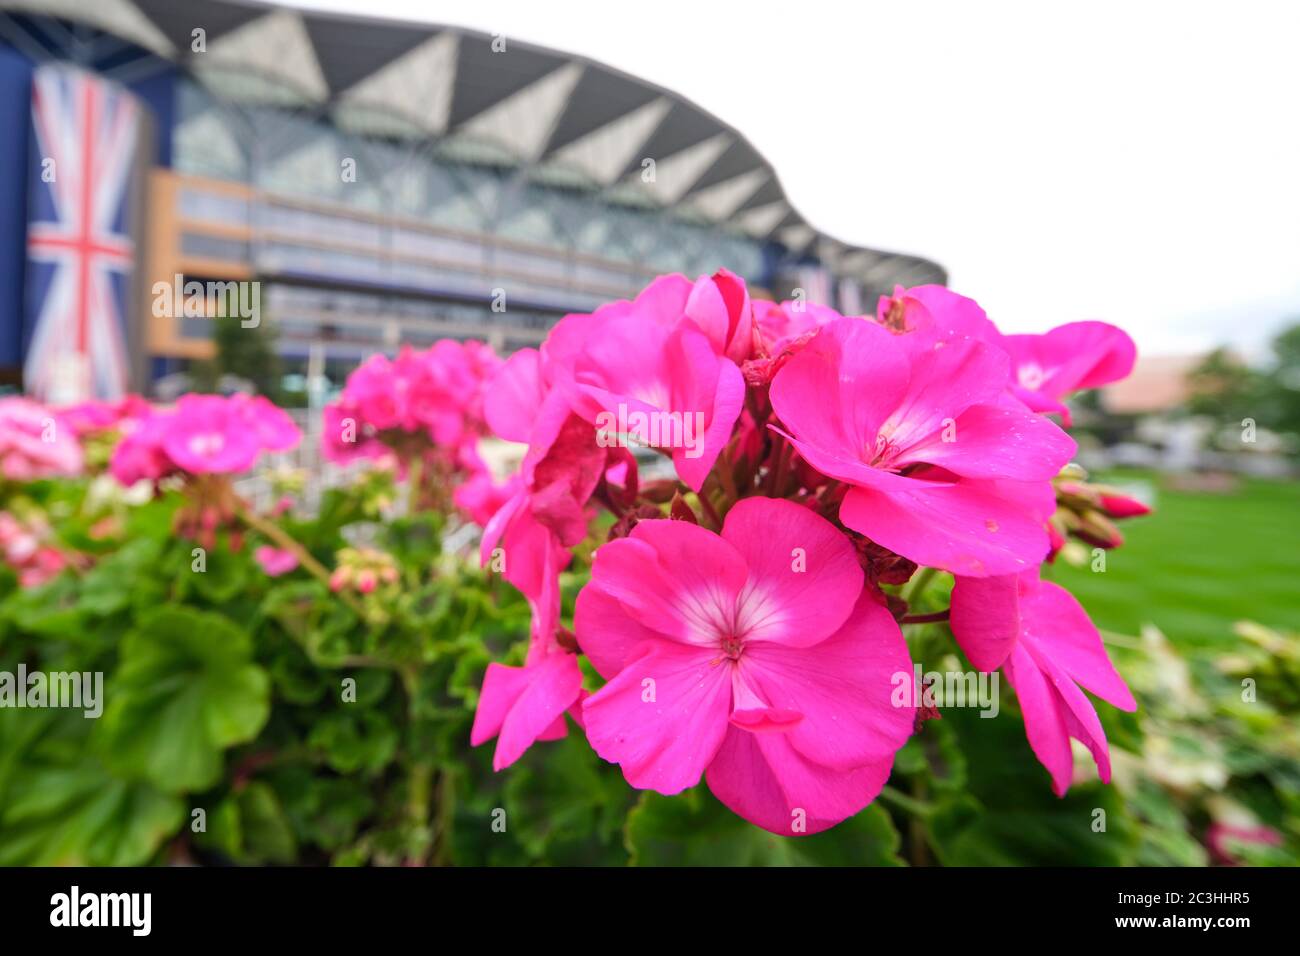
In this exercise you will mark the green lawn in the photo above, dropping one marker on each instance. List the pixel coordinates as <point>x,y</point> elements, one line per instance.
<point>1201,562</point>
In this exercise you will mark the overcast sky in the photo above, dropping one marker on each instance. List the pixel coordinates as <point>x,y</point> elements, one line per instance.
<point>1137,162</point>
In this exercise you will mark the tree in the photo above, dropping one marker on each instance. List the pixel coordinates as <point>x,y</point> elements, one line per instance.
<point>1226,388</point>
<point>246,353</point>
<point>1222,385</point>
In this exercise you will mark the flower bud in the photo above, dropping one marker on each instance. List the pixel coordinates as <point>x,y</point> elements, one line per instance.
<point>1122,506</point>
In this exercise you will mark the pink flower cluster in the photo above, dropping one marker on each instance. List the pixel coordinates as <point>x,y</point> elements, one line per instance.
<point>745,639</point>
<point>25,547</point>
<point>36,442</point>
<point>432,396</point>
<point>94,417</point>
<point>424,406</point>
<point>202,435</point>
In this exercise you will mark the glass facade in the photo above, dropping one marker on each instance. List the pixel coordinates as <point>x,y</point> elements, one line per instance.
<point>530,225</point>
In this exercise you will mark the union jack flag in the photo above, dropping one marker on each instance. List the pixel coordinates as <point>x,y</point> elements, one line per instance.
<point>79,250</point>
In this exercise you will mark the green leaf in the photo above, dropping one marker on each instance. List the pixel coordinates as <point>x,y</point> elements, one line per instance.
<point>415,541</point>
<point>867,839</point>
<point>225,575</point>
<point>185,691</point>
<point>355,740</point>
<point>564,806</point>
<point>250,826</point>
<point>1008,814</point>
<point>694,829</point>
<point>49,610</point>
<point>315,620</point>
<point>324,811</point>
<point>111,584</point>
<point>60,806</point>
<point>82,816</point>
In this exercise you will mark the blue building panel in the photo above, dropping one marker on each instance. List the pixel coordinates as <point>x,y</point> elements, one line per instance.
<point>15,122</point>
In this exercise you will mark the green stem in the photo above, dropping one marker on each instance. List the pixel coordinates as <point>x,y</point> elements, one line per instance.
<point>414,476</point>
<point>711,511</point>
<point>419,795</point>
<point>909,805</point>
<point>282,538</point>
<point>934,618</point>
<point>916,587</point>
<point>445,815</point>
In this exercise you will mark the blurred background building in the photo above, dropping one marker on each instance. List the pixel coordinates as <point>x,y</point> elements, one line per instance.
<point>377,183</point>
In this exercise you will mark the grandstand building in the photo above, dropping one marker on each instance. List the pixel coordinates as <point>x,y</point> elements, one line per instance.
<point>374,182</point>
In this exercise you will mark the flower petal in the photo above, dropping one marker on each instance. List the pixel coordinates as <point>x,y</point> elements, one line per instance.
<point>522,704</point>
<point>663,716</point>
<point>985,618</point>
<point>837,392</point>
<point>1044,725</point>
<point>605,630</point>
<point>842,687</point>
<point>804,576</point>
<point>1003,440</point>
<point>967,527</point>
<point>945,381</point>
<point>764,779</point>
<point>1061,630</point>
<point>675,578</point>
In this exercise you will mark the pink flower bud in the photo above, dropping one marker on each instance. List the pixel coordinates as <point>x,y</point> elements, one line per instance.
<point>1122,506</point>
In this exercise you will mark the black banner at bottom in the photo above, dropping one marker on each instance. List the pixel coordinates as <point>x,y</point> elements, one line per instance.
<point>249,905</point>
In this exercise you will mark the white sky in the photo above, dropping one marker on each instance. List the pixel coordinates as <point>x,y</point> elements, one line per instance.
<point>1136,162</point>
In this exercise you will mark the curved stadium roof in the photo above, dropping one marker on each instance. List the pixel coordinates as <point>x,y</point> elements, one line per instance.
<point>564,119</point>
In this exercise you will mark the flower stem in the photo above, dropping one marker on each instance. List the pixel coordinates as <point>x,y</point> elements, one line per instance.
<point>419,799</point>
<point>284,540</point>
<point>916,587</point>
<point>707,505</point>
<point>926,618</point>
<point>907,804</point>
<point>414,475</point>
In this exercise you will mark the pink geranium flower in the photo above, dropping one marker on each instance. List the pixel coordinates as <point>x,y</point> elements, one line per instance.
<point>945,468</point>
<point>638,380</point>
<point>24,547</point>
<point>654,371</point>
<point>480,497</point>
<point>139,456</point>
<point>1070,357</point>
<point>529,534</point>
<point>210,434</point>
<point>275,561</point>
<point>521,705</point>
<point>1043,368</point>
<point>201,435</point>
<point>717,305</point>
<point>35,442</point>
<point>90,417</point>
<point>1048,648</point>
<point>435,394</point>
<point>780,325</point>
<point>754,657</point>
<point>925,315</point>
<point>273,427</point>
